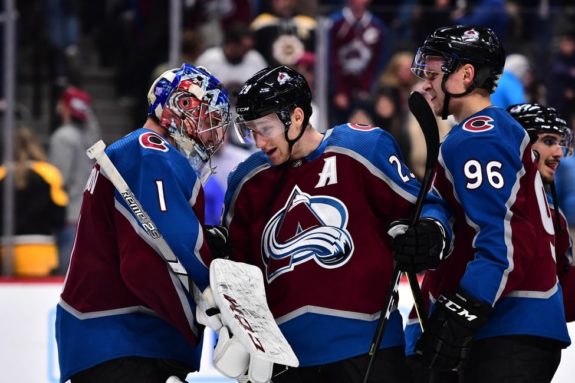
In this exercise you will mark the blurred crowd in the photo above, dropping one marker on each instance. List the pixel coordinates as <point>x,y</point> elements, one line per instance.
<point>369,46</point>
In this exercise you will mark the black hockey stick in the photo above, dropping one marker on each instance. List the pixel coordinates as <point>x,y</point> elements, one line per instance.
<point>426,119</point>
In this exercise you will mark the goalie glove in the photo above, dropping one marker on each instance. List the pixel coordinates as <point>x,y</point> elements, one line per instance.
<point>446,341</point>
<point>419,247</point>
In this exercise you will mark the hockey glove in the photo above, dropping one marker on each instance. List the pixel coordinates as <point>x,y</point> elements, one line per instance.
<point>218,240</point>
<point>446,341</point>
<point>419,247</point>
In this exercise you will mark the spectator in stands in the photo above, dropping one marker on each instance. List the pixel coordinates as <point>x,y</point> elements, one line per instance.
<point>427,16</point>
<point>516,77</point>
<point>63,30</point>
<point>281,35</point>
<point>397,74</point>
<point>213,18</point>
<point>561,71</point>
<point>306,66</point>
<point>192,46</point>
<point>235,61</point>
<point>39,210</point>
<point>357,54</point>
<point>486,13</point>
<point>68,144</point>
<point>391,98</point>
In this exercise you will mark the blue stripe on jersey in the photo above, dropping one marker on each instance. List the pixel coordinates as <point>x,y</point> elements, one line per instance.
<point>310,334</point>
<point>528,316</point>
<point>412,334</point>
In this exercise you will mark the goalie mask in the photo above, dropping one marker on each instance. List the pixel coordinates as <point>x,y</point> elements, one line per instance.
<point>194,107</point>
<point>536,119</point>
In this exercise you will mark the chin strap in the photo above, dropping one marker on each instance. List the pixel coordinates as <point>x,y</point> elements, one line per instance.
<point>445,112</point>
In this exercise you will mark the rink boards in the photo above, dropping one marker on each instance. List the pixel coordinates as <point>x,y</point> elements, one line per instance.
<point>28,351</point>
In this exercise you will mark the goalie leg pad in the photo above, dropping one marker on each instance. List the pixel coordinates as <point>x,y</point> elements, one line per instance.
<point>230,356</point>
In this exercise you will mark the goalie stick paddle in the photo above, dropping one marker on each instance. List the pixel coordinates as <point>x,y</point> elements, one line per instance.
<point>426,119</point>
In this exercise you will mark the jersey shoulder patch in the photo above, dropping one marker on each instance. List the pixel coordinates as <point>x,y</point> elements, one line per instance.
<point>153,141</point>
<point>479,124</point>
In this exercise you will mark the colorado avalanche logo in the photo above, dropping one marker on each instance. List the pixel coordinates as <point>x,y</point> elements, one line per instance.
<point>283,77</point>
<point>307,228</point>
<point>153,141</point>
<point>478,124</point>
<point>470,35</point>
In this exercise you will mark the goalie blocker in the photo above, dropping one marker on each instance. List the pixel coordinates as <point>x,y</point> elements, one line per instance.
<point>249,339</point>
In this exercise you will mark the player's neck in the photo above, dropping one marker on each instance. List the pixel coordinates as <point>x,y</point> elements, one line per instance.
<point>309,142</point>
<point>150,124</point>
<point>470,105</point>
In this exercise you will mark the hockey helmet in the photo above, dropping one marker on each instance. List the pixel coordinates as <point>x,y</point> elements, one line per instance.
<point>194,107</point>
<point>535,119</point>
<point>272,90</point>
<point>459,45</point>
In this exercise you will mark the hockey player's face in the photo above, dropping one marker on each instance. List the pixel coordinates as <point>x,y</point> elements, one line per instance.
<point>268,135</point>
<point>550,147</point>
<point>433,76</point>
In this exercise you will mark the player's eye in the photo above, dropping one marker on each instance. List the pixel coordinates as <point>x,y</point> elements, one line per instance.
<point>429,75</point>
<point>549,141</point>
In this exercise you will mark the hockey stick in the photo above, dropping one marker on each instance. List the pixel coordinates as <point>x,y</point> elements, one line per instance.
<point>426,119</point>
<point>97,152</point>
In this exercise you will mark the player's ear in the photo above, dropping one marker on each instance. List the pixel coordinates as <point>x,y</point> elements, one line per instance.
<point>297,118</point>
<point>468,73</point>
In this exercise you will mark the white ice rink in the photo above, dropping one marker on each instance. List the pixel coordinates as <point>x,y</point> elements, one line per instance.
<point>28,351</point>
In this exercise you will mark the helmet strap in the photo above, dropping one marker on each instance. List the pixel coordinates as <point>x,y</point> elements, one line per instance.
<point>448,95</point>
<point>287,125</point>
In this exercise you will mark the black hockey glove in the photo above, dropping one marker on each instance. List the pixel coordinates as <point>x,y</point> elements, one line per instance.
<point>446,341</point>
<point>419,247</point>
<point>218,241</point>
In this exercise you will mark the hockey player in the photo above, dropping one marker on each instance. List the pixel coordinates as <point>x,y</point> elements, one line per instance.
<point>552,141</point>
<point>123,316</point>
<point>311,210</point>
<point>497,311</point>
